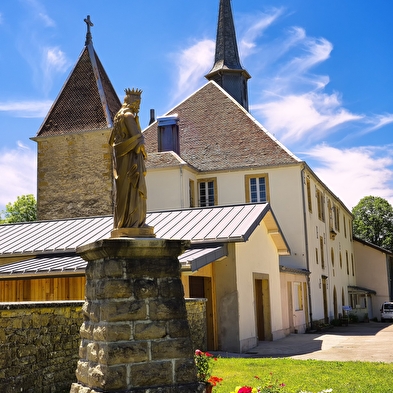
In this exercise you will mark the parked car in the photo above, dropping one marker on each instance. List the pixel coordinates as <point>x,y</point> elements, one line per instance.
<point>387,311</point>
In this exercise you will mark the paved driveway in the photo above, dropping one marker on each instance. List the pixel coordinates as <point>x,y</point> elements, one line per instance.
<point>363,342</point>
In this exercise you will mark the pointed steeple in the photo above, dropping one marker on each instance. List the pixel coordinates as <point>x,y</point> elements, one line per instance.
<point>87,100</point>
<point>227,70</point>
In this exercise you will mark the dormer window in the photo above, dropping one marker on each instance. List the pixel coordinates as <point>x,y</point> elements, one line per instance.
<point>168,134</point>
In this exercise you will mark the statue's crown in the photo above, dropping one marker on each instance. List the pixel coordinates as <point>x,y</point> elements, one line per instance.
<point>133,92</point>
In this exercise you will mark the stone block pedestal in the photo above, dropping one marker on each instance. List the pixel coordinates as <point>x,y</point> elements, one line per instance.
<point>135,336</point>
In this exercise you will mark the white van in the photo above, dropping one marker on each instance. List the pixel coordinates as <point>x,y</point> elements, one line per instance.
<point>387,311</point>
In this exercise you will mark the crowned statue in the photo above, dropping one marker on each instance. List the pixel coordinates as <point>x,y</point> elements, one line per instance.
<point>129,170</point>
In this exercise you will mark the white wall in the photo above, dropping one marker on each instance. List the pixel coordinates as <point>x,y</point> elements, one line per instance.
<point>257,255</point>
<point>371,273</point>
<point>341,243</point>
<point>285,198</point>
<point>293,320</point>
<point>168,188</point>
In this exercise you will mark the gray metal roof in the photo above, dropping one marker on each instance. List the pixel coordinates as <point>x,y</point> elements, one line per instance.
<point>199,257</point>
<point>49,265</point>
<point>192,259</point>
<point>218,224</point>
<point>49,247</point>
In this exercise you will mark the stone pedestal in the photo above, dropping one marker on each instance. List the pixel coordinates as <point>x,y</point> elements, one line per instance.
<point>135,337</point>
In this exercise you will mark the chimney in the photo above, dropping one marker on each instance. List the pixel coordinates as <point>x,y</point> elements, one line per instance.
<point>152,116</point>
<point>168,133</point>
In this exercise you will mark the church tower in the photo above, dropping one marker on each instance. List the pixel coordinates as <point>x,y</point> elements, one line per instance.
<point>74,168</point>
<point>227,70</point>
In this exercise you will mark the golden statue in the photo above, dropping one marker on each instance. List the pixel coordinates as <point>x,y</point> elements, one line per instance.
<point>129,169</point>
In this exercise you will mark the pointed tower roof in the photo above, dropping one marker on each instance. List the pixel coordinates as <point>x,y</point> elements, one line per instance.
<point>227,70</point>
<point>87,100</point>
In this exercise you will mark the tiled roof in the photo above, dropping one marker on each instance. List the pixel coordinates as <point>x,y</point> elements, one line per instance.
<point>79,106</point>
<point>163,160</point>
<point>216,133</point>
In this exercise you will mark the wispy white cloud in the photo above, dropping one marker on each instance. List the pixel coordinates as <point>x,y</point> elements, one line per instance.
<point>35,44</point>
<point>356,172</point>
<point>307,117</point>
<point>54,61</point>
<point>1,18</point>
<point>38,11</point>
<point>294,103</point>
<point>18,170</point>
<point>48,21</point>
<point>313,52</point>
<point>377,122</point>
<point>254,26</point>
<point>191,63</point>
<point>26,108</point>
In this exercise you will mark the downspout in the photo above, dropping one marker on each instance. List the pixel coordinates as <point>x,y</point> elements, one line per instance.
<point>306,246</point>
<point>181,187</point>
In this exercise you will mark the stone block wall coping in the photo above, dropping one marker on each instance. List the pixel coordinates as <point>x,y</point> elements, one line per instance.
<point>196,299</point>
<point>132,247</point>
<point>33,304</point>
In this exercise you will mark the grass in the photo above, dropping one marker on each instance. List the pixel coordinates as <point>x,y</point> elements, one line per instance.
<point>307,375</point>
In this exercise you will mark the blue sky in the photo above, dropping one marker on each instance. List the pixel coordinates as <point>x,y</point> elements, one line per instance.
<point>322,80</point>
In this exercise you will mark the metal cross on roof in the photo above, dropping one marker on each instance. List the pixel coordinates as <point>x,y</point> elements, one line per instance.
<point>89,23</point>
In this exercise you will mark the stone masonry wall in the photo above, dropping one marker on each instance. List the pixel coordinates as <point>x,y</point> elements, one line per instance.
<point>74,176</point>
<point>39,346</point>
<point>39,343</point>
<point>196,316</point>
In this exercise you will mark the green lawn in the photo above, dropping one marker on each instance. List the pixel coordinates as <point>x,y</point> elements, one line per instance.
<point>307,375</point>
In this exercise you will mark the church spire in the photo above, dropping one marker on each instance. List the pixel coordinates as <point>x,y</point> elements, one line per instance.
<point>227,70</point>
<point>87,100</point>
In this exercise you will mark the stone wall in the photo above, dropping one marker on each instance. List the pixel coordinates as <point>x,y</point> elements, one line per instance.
<point>39,346</point>
<point>196,315</point>
<point>74,176</point>
<point>39,343</point>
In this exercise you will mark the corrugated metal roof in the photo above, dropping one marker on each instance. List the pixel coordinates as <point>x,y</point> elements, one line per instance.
<point>196,258</point>
<point>53,265</point>
<point>73,264</point>
<point>218,224</point>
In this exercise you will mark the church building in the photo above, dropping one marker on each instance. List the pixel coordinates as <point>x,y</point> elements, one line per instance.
<point>271,246</point>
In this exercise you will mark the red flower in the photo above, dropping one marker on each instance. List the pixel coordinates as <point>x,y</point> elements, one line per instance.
<point>245,389</point>
<point>214,380</point>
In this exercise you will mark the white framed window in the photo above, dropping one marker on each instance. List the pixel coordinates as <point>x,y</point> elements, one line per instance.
<point>207,190</point>
<point>257,188</point>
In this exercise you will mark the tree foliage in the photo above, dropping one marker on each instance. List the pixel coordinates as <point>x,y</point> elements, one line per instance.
<point>22,210</point>
<point>373,221</point>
